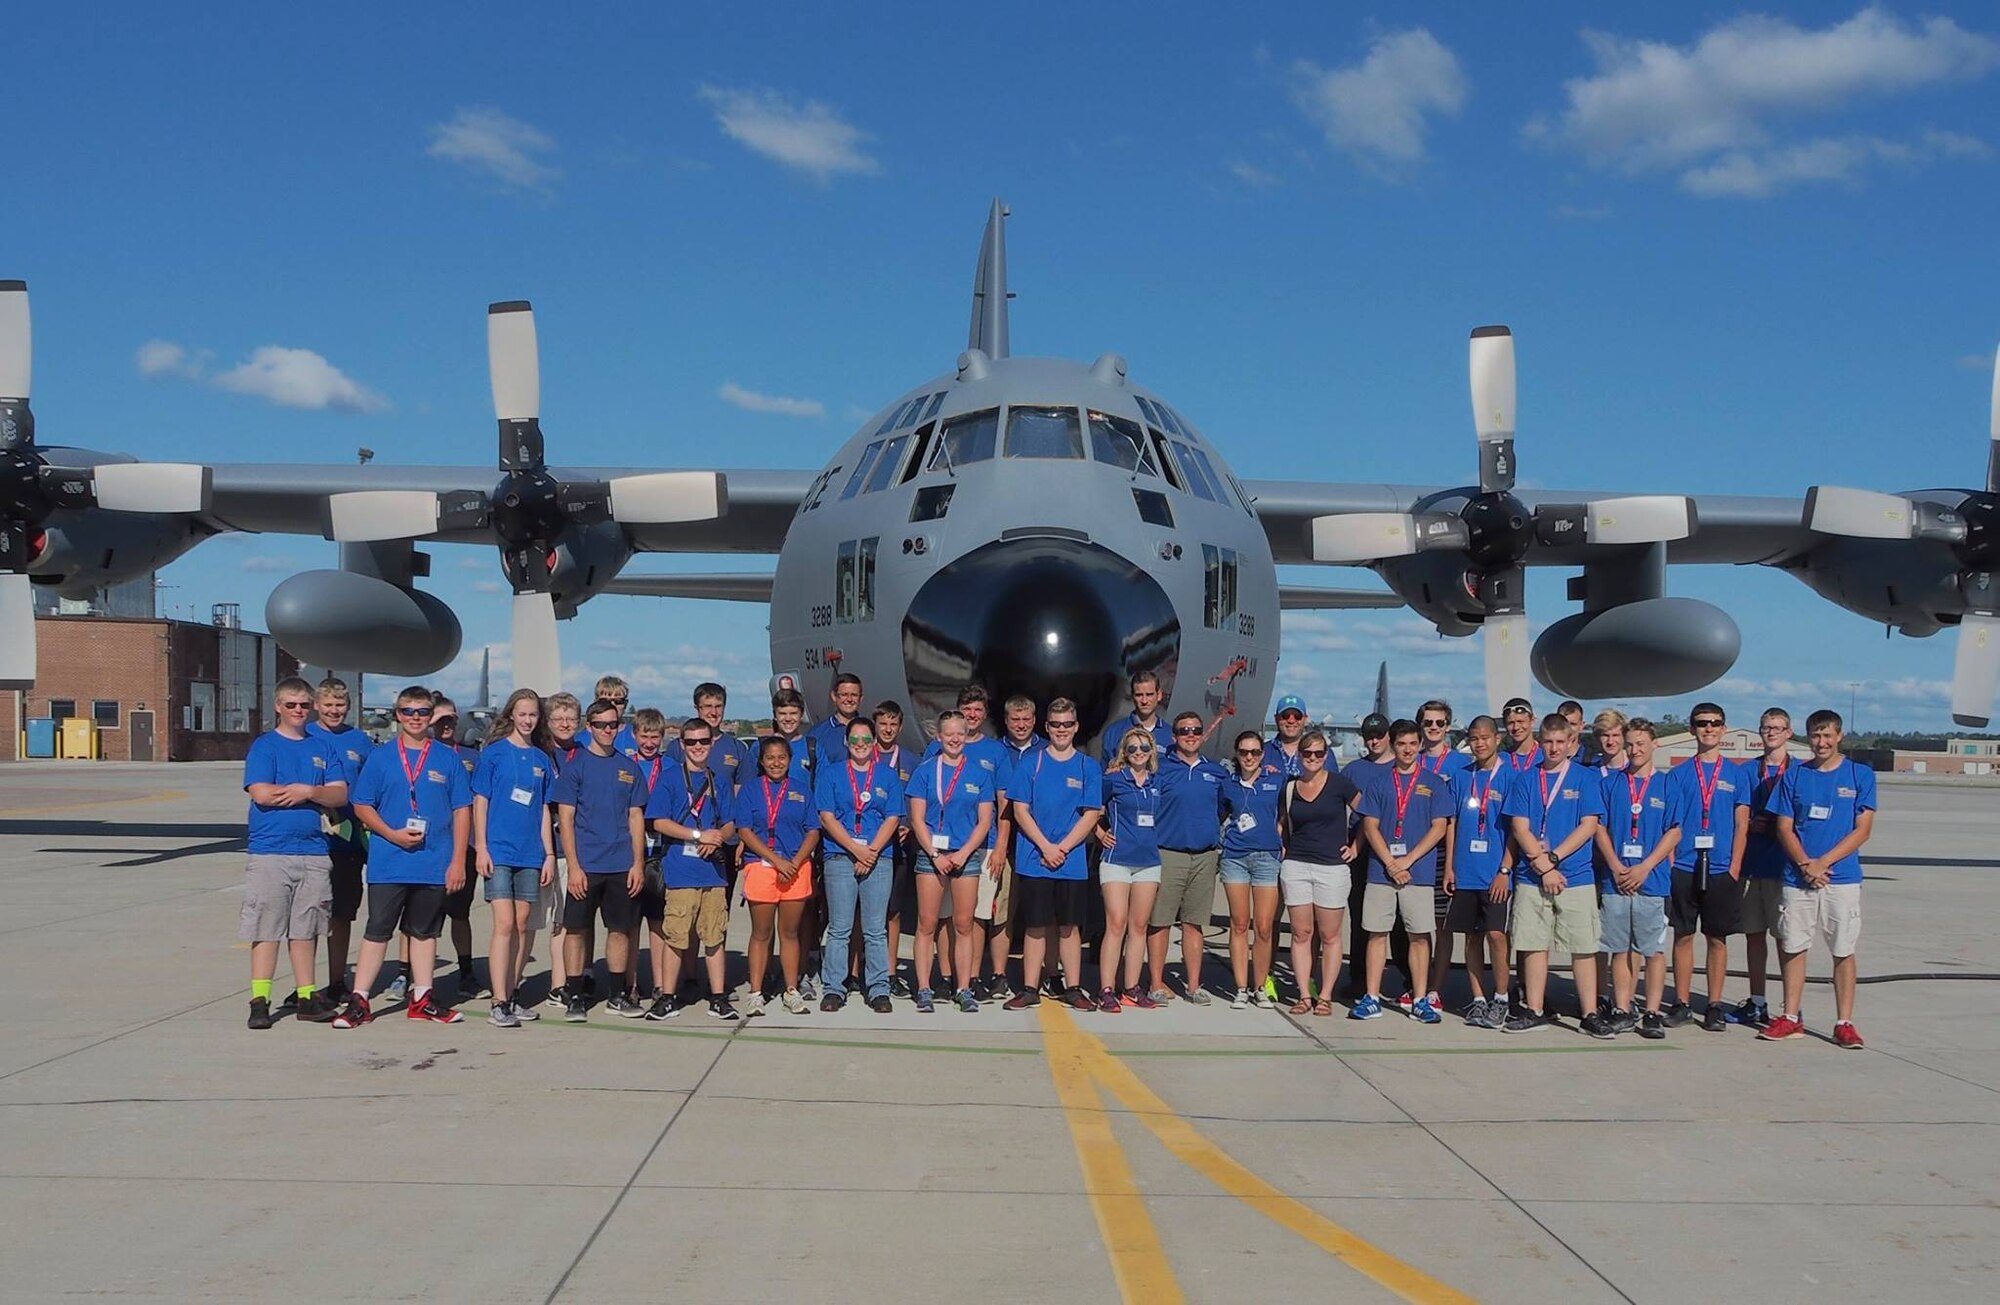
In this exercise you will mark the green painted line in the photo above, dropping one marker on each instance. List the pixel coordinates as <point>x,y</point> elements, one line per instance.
<point>779,1039</point>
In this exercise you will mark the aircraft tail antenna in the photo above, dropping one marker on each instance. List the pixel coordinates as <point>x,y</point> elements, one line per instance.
<point>989,287</point>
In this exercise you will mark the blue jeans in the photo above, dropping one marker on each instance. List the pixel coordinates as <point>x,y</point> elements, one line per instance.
<point>1258,869</point>
<point>870,893</point>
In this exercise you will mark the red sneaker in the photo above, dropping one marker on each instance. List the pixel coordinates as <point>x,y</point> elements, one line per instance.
<point>353,1012</point>
<point>426,1008</point>
<point>1846,1035</point>
<point>1782,1028</point>
<point>1139,999</point>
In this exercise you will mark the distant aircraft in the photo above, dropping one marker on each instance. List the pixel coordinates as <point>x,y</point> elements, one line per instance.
<point>1036,525</point>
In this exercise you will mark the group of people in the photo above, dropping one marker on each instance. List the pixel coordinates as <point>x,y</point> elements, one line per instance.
<point>1538,836</point>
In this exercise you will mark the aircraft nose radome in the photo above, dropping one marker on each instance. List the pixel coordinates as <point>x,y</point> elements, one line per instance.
<point>1049,618</point>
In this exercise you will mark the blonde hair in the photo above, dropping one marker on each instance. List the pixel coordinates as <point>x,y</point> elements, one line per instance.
<point>1135,732</point>
<point>1609,719</point>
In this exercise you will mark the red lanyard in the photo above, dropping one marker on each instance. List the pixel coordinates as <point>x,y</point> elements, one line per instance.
<point>569,753</point>
<point>1485,794</point>
<point>1438,769</point>
<point>773,805</point>
<point>1526,761</point>
<point>1543,779</point>
<point>945,800</point>
<point>410,772</point>
<point>860,802</point>
<point>1707,787</point>
<point>1765,771</point>
<point>695,804</point>
<point>653,778</point>
<point>1638,792</point>
<point>1403,795</point>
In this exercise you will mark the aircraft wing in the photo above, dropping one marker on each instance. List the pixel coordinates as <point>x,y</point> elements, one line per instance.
<point>732,587</point>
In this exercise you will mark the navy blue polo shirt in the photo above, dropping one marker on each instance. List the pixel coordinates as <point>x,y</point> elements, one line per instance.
<point>1114,734</point>
<point>1190,816</point>
<point>603,791</point>
<point>1250,812</point>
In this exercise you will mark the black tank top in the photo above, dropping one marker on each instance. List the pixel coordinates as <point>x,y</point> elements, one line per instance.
<point>1319,826</point>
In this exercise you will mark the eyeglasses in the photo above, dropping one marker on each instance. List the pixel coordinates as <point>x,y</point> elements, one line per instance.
<point>1709,723</point>
<point>604,724</point>
<point>861,740</point>
<point>296,706</point>
<point>1188,731</point>
<point>1312,753</point>
<point>1773,729</point>
<point>413,711</point>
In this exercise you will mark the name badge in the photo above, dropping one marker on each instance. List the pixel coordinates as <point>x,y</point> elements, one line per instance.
<point>1819,813</point>
<point>1399,849</point>
<point>1143,820</point>
<point>1476,845</point>
<point>1246,822</point>
<point>863,799</point>
<point>1704,842</point>
<point>1633,851</point>
<point>691,849</point>
<point>524,797</point>
<point>417,825</point>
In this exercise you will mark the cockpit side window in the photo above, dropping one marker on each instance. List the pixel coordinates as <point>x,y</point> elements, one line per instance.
<point>1043,433</point>
<point>937,401</point>
<point>1167,467</point>
<point>855,481</point>
<point>885,466</point>
<point>1120,442</point>
<point>1152,413</point>
<point>922,440</point>
<point>910,414</point>
<point>1197,479</point>
<point>1208,470</point>
<point>889,422</point>
<point>969,437</point>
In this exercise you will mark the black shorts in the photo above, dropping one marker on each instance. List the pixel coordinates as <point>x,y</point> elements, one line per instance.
<point>414,909</point>
<point>1716,910</point>
<point>1472,911</point>
<point>603,895</point>
<point>346,876</point>
<point>653,897</point>
<point>1039,902</point>
<point>458,903</point>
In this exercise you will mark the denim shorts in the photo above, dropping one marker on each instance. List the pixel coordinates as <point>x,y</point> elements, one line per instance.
<point>1633,923</point>
<point>1258,869</point>
<point>514,883</point>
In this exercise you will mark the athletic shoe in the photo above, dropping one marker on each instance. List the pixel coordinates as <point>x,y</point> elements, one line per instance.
<point>1653,1025</point>
<point>1368,1008</point>
<point>1782,1029</point>
<point>1475,1013</point>
<point>1597,1026</point>
<point>290,1004</point>
<point>1604,1006</point>
<point>399,988</point>
<point>882,1005</point>
<point>354,1012</point>
<point>260,1013</point>
<point>623,1004</point>
<point>721,1008</point>
<point>853,986</point>
<point>468,982</point>
<point>1161,996</point>
<point>1425,1013</point>
<point>426,1008</point>
<point>1624,1021</point>
<point>753,1006</point>
<point>1199,997</point>
<point>1678,1014</point>
<point>1078,999</point>
<point>808,988</point>
<point>1405,1002</point>
<point>1751,1011</point>
<point>525,1014</point>
<point>1846,1035</point>
<point>1023,1000</point>
<point>555,997</point>
<point>795,1002</point>
<point>899,986</point>
<point>1270,992</point>
<point>1496,1014</point>
<point>576,1008</point>
<point>1262,998</point>
<point>502,1016</point>
<point>1241,1001</point>
<point>664,1007</point>
<point>968,1001</point>
<point>1053,985</point>
<point>316,1009</point>
<point>832,1002</point>
<point>999,989</point>
<point>1715,1021</point>
<point>926,1001</point>
<point>1140,999</point>
<point>1108,1003</point>
<point>1524,1020</point>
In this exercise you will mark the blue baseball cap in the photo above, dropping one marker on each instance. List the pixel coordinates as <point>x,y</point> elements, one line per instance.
<point>1290,702</point>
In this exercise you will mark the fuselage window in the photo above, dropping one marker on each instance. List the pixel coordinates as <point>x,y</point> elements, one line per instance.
<point>1242,493</point>
<point>889,422</point>
<point>937,401</point>
<point>911,413</point>
<point>1191,470</point>
<point>922,439</point>
<point>1043,433</point>
<point>1167,467</point>
<point>1208,471</point>
<point>932,502</point>
<point>854,580</point>
<point>1154,509</point>
<point>1218,578</point>
<point>854,482</point>
<point>1120,442</point>
<point>885,466</point>
<point>1178,422</point>
<point>1152,413</point>
<point>968,437</point>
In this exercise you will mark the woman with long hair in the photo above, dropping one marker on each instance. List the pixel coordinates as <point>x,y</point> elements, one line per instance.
<point>950,803</point>
<point>513,843</point>
<point>777,826</point>
<point>1129,873</point>
<point>1313,820</point>
<point>1251,851</point>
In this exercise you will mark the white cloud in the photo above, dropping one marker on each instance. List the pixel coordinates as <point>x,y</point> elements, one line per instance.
<point>298,378</point>
<point>751,401</point>
<point>488,587</point>
<point>268,562</point>
<point>1713,110</point>
<point>166,358</point>
<point>1379,110</point>
<point>804,135</point>
<point>493,145</point>
<point>1251,175</point>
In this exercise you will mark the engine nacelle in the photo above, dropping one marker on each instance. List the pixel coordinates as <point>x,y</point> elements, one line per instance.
<point>1433,584</point>
<point>1904,584</point>
<point>1650,648</point>
<point>85,549</point>
<point>587,559</point>
<point>339,618</point>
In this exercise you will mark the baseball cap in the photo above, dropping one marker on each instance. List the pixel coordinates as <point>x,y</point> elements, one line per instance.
<point>1290,702</point>
<point>1374,723</point>
<point>1518,704</point>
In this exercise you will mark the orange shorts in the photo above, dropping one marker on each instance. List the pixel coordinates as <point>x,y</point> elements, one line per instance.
<point>760,883</point>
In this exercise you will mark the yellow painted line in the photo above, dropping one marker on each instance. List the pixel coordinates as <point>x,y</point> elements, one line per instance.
<point>15,813</point>
<point>1138,1261</point>
<point>1226,1172</point>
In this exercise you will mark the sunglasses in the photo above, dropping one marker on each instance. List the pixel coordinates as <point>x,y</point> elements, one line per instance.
<point>1062,724</point>
<point>1291,715</point>
<point>696,743</point>
<point>1708,723</point>
<point>1138,747</point>
<point>604,724</point>
<point>1249,752</point>
<point>1188,731</point>
<point>860,740</point>
<point>1437,721</point>
<point>296,706</point>
<point>413,711</point>
<point>1312,752</point>
<point>620,701</point>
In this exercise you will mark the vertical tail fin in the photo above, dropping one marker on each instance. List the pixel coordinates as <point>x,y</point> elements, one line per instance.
<point>989,288</point>
<point>486,677</point>
<point>1382,689</point>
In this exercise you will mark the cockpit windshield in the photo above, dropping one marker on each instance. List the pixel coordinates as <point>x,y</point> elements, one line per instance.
<point>968,437</point>
<point>1043,433</point>
<point>1121,443</point>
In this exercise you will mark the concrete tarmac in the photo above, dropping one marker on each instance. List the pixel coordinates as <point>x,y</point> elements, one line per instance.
<point>155,1148</point>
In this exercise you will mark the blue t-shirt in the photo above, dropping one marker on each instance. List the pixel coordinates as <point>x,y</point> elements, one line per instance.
<point>700,801</point>
<point>827,743</point>
<point>1058,793</point>
<point>861,800</point>
<point>1258,801</point>
<point>790,798</point>
<point>952,796</point>
<point>603,791</point>
<point>1635,836</point>
<point>1726,786</point>
<point>1133,811</point>
<point>1762,857</point>
<point>516,782</point>
<point>355,746</point>
<point>440,789</point>
<point>990,755</point>
<point>1824,807</point>
<point>275,759</point>
<point>1405,807</point>
<point>1528,758</point>
<point>1114,734</point>
<point>1571,794</point>
<point>1479,830</point>
<point>1190,815</point>
<point>1362,772</point>
<point>730,759</point>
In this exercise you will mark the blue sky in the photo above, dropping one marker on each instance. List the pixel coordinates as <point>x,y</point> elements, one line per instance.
<point>1742,251</point>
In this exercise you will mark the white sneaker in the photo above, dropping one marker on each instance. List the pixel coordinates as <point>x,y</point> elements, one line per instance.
<point>1263,1000</point>
<point>794,1003</point>
<point>399,988</point>
<point>754,1006</point>
<point>1241,1001</point>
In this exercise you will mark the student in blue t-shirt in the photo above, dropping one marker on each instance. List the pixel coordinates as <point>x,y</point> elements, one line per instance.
<point>860,804</point>
<point>346,843</point>
<point>1826,814</point>
<point>416,801</point>
<point>600,812</point>
<point>691,810</point>
<point>779,828</point>
<point>1128,874</point>
<point>1636,842</point>
<point>1554,811</point>
<point>991,757</point>
<point>296,781</point>
<point>1478,875</point>
<point>513,843</point>
<point>951,799</point>
<point>1708,797</point>
<point>1405,816</point>
<point>1763,863</point>
<point>1057,795</point>
<point>1375,760</point>
<point>1251,851</point>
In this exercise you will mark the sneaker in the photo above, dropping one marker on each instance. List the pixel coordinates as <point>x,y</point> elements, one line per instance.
<point>502,1016</point>
<point>1368,1008</point>
<point>1751,1011</point>
<point>1524,1020</point>
<point>1053,985</point>
<point>926,1001</point>
<point>1715,1021</point>
<point>1782,1029</point>
<point>1023,1000</point>
<point>260,1013</point>
<point>426,1008</point>
<point>1160,996</point>
<point>1496,1013</point>
<point>316,1009</point>
<point>354,1012</point>
<point>399,988</point>
<point>1624,1021</point>
<point>1406,1003</point>
<point>624,1005</point>
<point>1846,1035</point>
<point>853,986</point>
<point>1604,1005</point>
<point>1241,1001</point>
<point>1079,999</point>
<point>808,988</point>
<point>576,1008</point>
<point>1653,1025</point>
<point>968,1001</point>
<point>1475,1013</point>
<point>664,1007</point>
<point>831,1002</point>
<point>1140,999</point>
<point>795,1002</point>
<point>1678,1014</point>
<point>899,986</point>
<point>525,1014</point>
<point>1108,1003</point>
<point>753,1006</point>
<point>1425,1013</point>
<point>555,997</point>
<point>468,982</point>
<point>1199,997</point>
<point>1597,1026</point>
<point>882,1005</point>
<point>999,989</point>
<point>289,1006</point>
<point>1271,988</point>
<point>721,1008</point>
<point>1263,998</point>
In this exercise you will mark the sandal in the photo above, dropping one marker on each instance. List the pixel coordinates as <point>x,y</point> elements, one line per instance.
<point>1303,1006</point>
<point>1323,1007</point>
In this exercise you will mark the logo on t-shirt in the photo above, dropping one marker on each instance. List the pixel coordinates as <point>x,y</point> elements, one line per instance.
<point>1073,782</point>
<point>626,777</point>
<point>1844,792</point>
<point>435,777</point>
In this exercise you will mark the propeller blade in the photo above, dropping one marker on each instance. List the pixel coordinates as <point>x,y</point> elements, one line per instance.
<point>16,341</point>
<point>17,632</point>
<point>1506,644</point>
<point>1492,358</point>
<point>1993,449</point>
<point>1858,513</point>
<point>156,487</point>
<point>1642,519</point>
<point>372,514</point>
<point>1363,536</point>
<point>537,650</point>
<point>667,496</point>
<point>1975,672</point>
<point>514,360</point>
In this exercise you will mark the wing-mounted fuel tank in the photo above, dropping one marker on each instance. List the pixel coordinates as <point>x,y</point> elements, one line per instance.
<point>1652,647</point>
<point>368,615</point>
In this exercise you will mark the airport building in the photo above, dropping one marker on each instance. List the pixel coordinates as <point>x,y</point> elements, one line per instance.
<point>1960,757</point>
<point>1739,743</point>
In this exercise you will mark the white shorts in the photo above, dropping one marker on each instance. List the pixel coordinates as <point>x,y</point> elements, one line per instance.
<point>1415,904</point>
<point>1108,873</point>
<point>1829,915</point>
<point>1309,884</point>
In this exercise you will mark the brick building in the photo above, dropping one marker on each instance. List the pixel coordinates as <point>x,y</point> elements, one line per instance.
<point>158,690</point>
